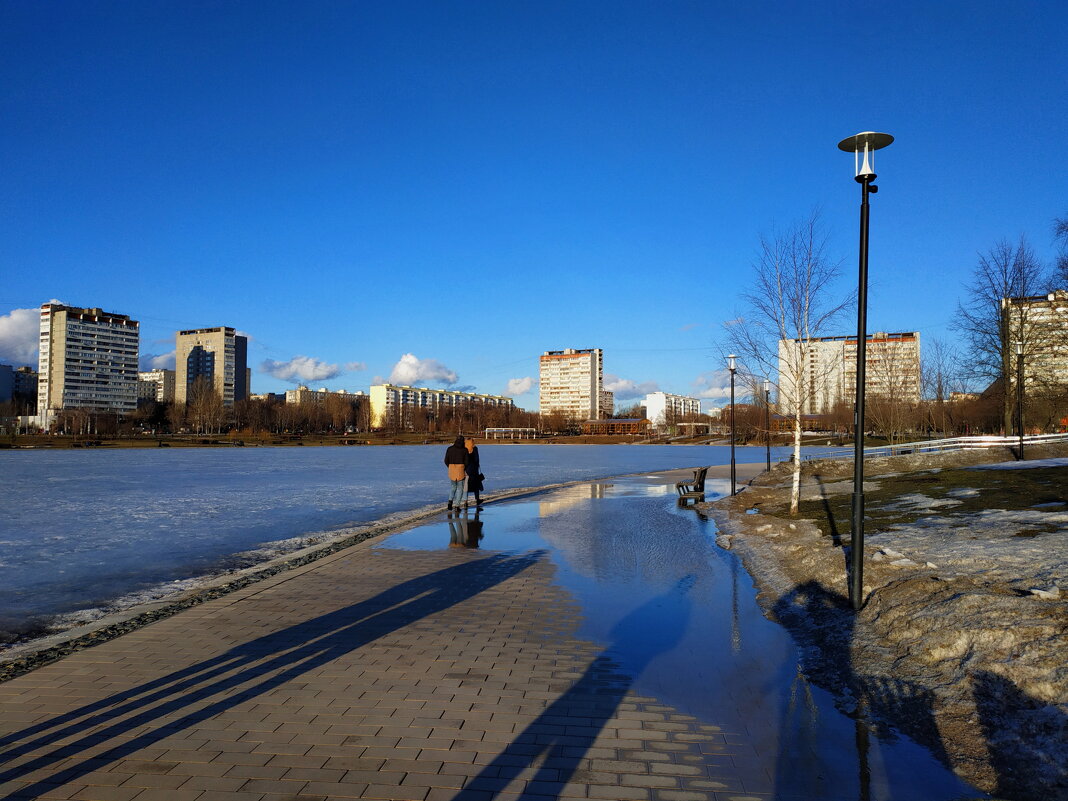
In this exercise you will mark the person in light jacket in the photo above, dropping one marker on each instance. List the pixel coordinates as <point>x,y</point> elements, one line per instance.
<point>456,462</point>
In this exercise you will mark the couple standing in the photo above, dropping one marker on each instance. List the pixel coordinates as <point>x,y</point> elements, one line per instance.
<point>461,458</point>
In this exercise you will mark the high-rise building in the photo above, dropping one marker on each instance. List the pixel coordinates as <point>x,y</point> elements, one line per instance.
<point>571,382</point>
<point>156,385</point>
<point>1040,322</point>
<point>26,385</point>
<point>219,356</point>
<point>390,399</point>
<point>7,383</point>
<point>828,373</point>
<point>88,360</point>
<point>19,386</point>
<point>663,408</point>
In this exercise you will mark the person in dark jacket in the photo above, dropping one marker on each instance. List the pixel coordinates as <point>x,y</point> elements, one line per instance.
<point>474,473</point>
<point>456,461</point>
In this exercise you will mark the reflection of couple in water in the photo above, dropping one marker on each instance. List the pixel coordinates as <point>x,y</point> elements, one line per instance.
<point>464,531</point>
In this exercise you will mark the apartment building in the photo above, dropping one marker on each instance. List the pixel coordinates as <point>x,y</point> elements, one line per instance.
<point>7,383</point>
<point>663,408</point>
<point>218,355</point>
<point>388,398</point>
<point>1040,322</point>
<point>828,370</point>
<point>87,360</point>
<point>26,385</point>
<point>572,383</point>
<point>156,385</point>
<point>304,395</point>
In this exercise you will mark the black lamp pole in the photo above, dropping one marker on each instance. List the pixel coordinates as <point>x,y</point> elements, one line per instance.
<point>1019,398</point>
<point>865,143</point>
<point>767,421</point>
<point>734,481</point>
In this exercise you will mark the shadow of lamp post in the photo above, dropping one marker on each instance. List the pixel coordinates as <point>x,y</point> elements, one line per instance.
<point>731,366</point>
<point>867,143</point>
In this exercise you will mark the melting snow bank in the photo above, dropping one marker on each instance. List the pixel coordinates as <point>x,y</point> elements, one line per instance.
<point>963,639</point>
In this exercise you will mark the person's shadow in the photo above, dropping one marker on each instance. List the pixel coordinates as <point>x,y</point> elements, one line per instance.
<point>137,718</point>
<point>552,746</point>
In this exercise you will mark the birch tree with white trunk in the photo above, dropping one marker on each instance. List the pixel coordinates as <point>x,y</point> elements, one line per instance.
<point>793,299</point>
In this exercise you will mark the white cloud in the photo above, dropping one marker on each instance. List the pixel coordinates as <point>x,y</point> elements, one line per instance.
<point>713,385</point>
<point>411,370</point>
<point>19,332</point>
<point>689,326</point>
<point>520,386</point>
<point>152,361</point>
<point>625,389</point>
<point>354,367</point>
<point>301,368</point>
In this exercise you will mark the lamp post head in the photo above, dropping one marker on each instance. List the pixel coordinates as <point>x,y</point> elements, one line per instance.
<point>867,143</point>
<point>730,362</point>
<point>767,385</point>
<point>1019,349</point>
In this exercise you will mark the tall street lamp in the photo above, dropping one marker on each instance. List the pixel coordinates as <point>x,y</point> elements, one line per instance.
<point>731,366</point>
<point>767,421</point>
<point>867,143</point>
<point>1019,397</point>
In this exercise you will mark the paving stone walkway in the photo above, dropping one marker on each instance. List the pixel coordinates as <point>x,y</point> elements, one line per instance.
<point>451,675</point>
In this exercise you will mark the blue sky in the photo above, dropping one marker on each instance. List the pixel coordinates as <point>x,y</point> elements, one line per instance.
<point>439,192</point>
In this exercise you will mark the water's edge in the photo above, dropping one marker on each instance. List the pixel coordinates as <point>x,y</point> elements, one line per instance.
<point>132,612</point>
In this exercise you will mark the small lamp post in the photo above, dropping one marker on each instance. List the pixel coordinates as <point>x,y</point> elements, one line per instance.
<point>767,421</point>
<point>731,366</point>
<point>1019,398</point>
<point>867,143</point>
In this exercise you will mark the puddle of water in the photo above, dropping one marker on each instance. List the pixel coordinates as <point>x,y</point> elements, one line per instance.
<point>680,617</point>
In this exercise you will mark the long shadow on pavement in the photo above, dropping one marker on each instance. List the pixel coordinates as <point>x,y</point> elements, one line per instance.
<point>551,748</point>
<point>261,665</point>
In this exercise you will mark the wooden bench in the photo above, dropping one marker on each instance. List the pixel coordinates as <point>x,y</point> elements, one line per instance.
<point>694,489</point>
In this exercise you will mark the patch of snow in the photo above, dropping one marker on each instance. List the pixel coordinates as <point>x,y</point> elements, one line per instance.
<point>1051,594</point>
<point>952,541</point>
<point>904,563</point>
<point>1028,464</point>
<point>962,492</point>
<point>916,502</point>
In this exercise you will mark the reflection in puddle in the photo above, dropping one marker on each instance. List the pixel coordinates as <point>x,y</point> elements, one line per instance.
<point>465,531</point>
<point>568,497</point>
<point>678,616</point>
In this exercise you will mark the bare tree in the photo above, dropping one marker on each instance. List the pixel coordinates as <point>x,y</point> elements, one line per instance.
<point>1006,271</point>
<point>937,372</point>
<point>176,417</point>
<point>1060,236</point>
<point>205,406</point>
<point>792,302</point>
<point>893,392</point>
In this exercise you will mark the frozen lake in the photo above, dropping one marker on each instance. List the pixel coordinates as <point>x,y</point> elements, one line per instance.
<point>83,528</point>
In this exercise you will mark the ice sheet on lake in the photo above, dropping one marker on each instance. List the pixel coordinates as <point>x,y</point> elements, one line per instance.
<point>84,527</point>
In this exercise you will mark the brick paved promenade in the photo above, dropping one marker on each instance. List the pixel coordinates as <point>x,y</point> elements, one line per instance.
<point>373,673</point>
